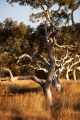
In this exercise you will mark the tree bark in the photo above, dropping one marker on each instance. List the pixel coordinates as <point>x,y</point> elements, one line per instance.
<point>67,74</point>
<point>51,70</point>
<point>57,80</point>
<point>74,74</point>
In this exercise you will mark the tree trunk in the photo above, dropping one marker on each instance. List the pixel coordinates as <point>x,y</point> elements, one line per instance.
<point>57,80</point>
<point>67,74</point>
<point>51,70</point>
<point>74,74</point>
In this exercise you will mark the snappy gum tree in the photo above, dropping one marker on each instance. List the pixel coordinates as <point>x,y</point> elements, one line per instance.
<point>51,18</point>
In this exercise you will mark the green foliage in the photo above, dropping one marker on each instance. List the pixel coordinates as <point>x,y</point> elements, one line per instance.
<point>5,59</point>
<point>70,36</point>
<point>17,35</point>
<point>40,73</point>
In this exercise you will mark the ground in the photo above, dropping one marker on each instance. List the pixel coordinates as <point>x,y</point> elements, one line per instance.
<point>24,100</point>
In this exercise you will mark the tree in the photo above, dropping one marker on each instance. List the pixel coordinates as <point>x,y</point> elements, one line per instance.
<point>53,19</point>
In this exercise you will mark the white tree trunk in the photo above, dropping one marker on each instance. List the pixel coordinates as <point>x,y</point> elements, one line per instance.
<point>67,74</point>
<point>74,74</point>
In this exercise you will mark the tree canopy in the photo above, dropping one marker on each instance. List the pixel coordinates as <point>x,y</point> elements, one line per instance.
<point>65,9</point>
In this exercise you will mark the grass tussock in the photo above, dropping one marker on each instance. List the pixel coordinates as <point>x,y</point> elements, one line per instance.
<point>24,100</point>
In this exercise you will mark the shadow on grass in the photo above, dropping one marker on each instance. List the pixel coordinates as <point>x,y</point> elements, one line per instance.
<point>22,90</point>
<point>77,107</point>
<point>22,117</point>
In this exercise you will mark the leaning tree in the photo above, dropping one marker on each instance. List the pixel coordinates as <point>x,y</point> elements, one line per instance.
<point>53,19</point>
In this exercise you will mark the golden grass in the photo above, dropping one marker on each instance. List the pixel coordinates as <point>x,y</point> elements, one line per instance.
<point>24,100</point>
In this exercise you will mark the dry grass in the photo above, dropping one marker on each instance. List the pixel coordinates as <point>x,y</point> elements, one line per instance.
<point>24,100</point>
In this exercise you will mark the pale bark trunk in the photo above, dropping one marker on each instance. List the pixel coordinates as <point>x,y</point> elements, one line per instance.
<point>74,74</point>
<point>56,81</point>
<point>51,68</point>
<point>67,74</point>
<point>57,85</point>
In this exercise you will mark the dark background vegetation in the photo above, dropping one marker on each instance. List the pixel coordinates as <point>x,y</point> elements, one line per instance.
<point>14,36</point>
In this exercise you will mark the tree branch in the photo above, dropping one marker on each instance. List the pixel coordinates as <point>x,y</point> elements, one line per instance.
<point>26,53</point>
<point>38,68</point>
<point>72,17</point>
<point>75,63</point>
<point>33,77</point>
<point>55,11</point>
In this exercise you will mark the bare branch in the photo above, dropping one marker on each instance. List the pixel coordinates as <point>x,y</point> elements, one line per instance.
<point>9,71</point>
<point>55,11</point>
<point>75,63</point>
<point>33,77</point>
<point>64,46</point>
<point>78,68</point>
<point>24,55</point>
<point>44,59</point>
<point>37,67</point>
<point>31,56</point>
<point>68,61</point>
<point>41,6</point>
<point>72,17</point>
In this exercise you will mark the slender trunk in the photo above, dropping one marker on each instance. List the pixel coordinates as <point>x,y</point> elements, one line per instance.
<point>67,74</point>
<point>58,85</point>
<point>74,74</point>
<point>51,68</point>
<point>72,17</point>
<point>56,81</point>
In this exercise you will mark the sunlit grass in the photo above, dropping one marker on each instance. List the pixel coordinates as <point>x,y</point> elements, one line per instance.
<point>24,100</point>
